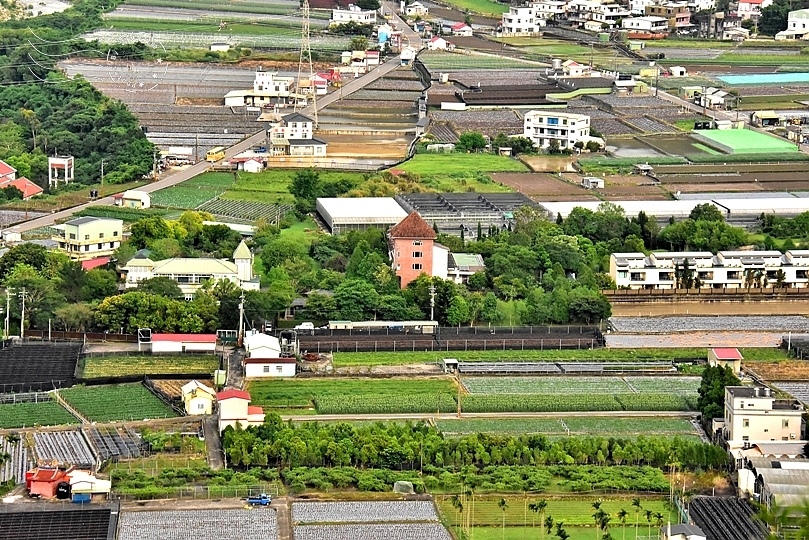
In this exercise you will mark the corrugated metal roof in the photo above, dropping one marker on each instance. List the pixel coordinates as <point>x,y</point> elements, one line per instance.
<point>203,265</point>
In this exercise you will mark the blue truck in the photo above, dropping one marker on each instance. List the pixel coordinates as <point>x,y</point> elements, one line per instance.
<point>260,500</point>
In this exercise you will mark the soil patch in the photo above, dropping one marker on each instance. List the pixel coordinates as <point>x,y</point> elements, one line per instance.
<point>549,163</point>
<point>538,184</point>
<point>787,370</point>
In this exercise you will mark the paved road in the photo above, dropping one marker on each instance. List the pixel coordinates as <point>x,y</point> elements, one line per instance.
<point>254,140</point>
<point>453,416</point>
<point>213,443</point>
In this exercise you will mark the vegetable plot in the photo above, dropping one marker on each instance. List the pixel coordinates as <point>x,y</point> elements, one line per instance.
<point>116,402</point>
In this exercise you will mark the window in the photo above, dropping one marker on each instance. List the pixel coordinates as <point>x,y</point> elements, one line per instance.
<point>112,245</point>
<point>100,246</point>
<point>200,406</point>
<point>417,266</point>
<point>266,369</point>
<point>72,236</point>
<point>418,254</point>
<point>746,423</point>
<point>101,235</point>
<point>746,438</point>
<point>784,423</point>
<point>417,242</point>
<point>279,369</point>
<point>87,247</point>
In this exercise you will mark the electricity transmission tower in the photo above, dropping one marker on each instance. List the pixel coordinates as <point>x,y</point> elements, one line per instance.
<point>305,62</point>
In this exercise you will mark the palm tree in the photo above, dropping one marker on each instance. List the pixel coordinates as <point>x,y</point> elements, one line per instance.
<point>598,516</point>
<point>503,505</point>
<point>549,524</point>
<point>458,505</point>
<point>649,515</point>
<point>622,518</point>
<point>561,532</point>
<point>637,506</point>
<point>538,507</point>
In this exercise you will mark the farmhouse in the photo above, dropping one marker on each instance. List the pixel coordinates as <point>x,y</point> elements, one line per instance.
<point>726,357</point>
<point>415,9</point>
<point>725,270</point>
<point>269,367</point>
<point>197,398</point>
<point>293,136</point>
<point>414,251</point>
<point>268,89</point>
<point>346,214</point>
<point>235,409</point>
<point>457,29</point>
<point>352,14</point>
<point>797,26</point>
<point>180,343</point>
<point>754,415</point>
<point>133,199</point>
<point>437,43</point>
<point>566,129</point>
<point>8,178</point>
<point>190,274</point>
<point>89,237</point>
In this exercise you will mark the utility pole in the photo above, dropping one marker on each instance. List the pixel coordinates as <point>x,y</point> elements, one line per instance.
<point>432,302</point>
<point>9,292</point>
<point>154,165</point>
<point>102,179</point>
<point>241,319</point>
<point>21,294</point>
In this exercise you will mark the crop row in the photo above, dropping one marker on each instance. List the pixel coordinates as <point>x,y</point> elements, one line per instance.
<point>183,197</point>
<point>244,209</point>
<point>116,402</point>
<point>47,413</point>
<point>382,404</point>
<point>117,366</point>
<point>581,385</point>
<point>612,425</point>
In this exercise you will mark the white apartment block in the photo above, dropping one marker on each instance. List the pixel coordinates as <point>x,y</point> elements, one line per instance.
<point>725,270</point>
<point>549,9</point>
<point>649,24</point>
<point>753,415</point>
<point>701,5</point>
<point>797,25</point>
<point>353,14</point>
<point>544,126</point>
<point>521,20</point>
<point>638,7</point>
<point>610,14</point>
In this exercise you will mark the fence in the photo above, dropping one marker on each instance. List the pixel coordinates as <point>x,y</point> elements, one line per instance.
<point>423,345</point>
<point>45,335</point>
<point>202,492</point>
<point>26,397</point>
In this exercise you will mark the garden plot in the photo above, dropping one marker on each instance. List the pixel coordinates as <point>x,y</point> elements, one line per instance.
<point>413,531</point>
<point>43,413</point>
<point>657,385</point>
<point>664,325</point>
<point>64,447</point>
<point>116,402</point>
<point>489,122</point>
<point>249,211</point>
<point>363,512</point>
<point>19,459</point>
<point>225,524</point>
<point>786,370</point>
<point>545,385</point>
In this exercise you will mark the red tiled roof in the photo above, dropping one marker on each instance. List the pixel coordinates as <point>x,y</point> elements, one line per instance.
<point>47,475</point>
<point>5,168</point>
<point>252,409</point>
<point>233,393</point>
<point>28,188</point>
<point>728,354</point>
<point>185,338</point>
<point>94,263</point>
<point>413,226</point>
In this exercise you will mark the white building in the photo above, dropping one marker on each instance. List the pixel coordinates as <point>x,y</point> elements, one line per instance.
<point>747,9</point>
<point>269,367</point>
<point>268,89</point>
<point>725,270</point>
<point>235,409</point>
<point>180,343</point>
<point>89,237</point>
<point>190,274</point>
<point>415,9</point>
<point>682,532</point>
<point>342,214</point>
<point>650,24</point>
<point>755,415</point>
<point>521,20</point>
<point>549,9</point>
<point>638,7</point>
<point>609,14</point>
<point>797,26</point>
<point>293,136</point>
<point>133,199</point>
<point>542,127</point>
<point>437,43</point>
<point>260,345</point>
<point>353,14</point>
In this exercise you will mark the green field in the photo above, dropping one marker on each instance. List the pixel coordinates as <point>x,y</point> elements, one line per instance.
<point>194,192</point>
<point>571,511</point>
<point>120,366</point>
<point>459,163</point>
<point>302,392</point>
<point>344,359</point>
<point>202,27</point>
<point>483,7</point>
<point>116,402</point>
<point>580,385</point>
<point>45,413</point>
<point>571,425</point>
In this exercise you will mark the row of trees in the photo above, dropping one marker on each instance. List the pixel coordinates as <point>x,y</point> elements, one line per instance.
<point>417,446</point>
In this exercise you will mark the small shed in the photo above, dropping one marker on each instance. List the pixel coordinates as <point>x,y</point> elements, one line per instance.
<point>449,365</point>
<point>12,235</point>
<point>258,344</point>
<point>269,367</point>
<point>592,182</point>
<point>678,71</point>
<point>252,165</point>
<point>179,343</point>
<point>220,47</point>
<point>726,357</point>
<point>133,199</point>
<point>197,398</point>
<point>642,168</point>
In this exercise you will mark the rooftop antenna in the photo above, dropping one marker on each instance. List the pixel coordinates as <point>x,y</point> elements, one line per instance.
<point>305,62</point>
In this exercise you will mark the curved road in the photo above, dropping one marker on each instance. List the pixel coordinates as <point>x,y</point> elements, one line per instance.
<point>246,144</point>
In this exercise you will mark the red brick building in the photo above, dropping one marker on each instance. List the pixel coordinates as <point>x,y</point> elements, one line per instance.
<point>414,250</point>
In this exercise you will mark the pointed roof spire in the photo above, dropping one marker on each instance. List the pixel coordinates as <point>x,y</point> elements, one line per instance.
<point>242,252</point>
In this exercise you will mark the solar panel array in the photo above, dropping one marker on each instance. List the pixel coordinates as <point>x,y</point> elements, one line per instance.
<point>38,366</point>
<point>69,522</point>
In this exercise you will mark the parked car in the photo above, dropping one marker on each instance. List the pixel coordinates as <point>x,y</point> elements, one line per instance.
<point>305,326</point>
